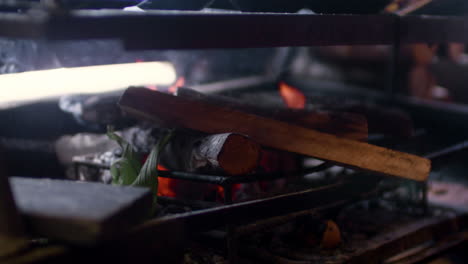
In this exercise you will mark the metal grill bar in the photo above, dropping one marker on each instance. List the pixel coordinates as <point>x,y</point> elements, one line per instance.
<point>214,179</point>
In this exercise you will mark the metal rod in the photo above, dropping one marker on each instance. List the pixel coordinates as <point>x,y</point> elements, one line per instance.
<point>215,179</point>
<point>246,212</point>
<point>225,180</point>
<point>447,151</point>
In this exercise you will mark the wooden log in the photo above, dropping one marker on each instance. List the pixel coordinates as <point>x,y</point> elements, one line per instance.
<point>227,153</point>
<point>196,115</point>
<point>382,120</point>
<point>79,212</point>
<point>339,123</point>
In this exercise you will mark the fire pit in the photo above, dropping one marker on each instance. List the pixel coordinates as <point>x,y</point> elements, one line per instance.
<point>251,163</point>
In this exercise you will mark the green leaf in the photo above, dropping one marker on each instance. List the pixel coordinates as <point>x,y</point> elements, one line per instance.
<point>148,176</point>
<point>128,169</point>
<point>125,170</point>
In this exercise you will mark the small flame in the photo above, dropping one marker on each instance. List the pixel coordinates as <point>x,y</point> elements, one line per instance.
<point>166,185</point>
<point>292,96</point>
<point>178,83</point>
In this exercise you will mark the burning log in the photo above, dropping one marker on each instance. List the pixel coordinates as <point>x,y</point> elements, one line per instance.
<point>347,125</point>
<point>197,115</point>
<point>230,153</point>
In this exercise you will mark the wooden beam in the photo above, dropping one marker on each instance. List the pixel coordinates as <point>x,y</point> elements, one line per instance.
<point>339,123</point>
<point>192,114</point>
<point>79,212</point>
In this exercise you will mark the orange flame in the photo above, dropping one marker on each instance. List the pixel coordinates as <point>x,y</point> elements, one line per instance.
<point>166,185</point>
<point>292,96</point>
<point>179,83</point>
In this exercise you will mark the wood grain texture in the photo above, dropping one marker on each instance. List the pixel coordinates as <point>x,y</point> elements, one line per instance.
<point>339,123</point>
<point>235,154</point>
<point>79,212</point>
<point>227,153</point>
<point>151,105</point>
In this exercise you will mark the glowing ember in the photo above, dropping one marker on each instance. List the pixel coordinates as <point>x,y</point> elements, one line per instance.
<point>179,83</point>
<point>235,188</point>
<point>292,96</point>
<point>166,185</point>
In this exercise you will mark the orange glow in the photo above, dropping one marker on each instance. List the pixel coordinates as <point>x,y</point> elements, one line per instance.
<point>152,87</point>
<point>166,185</point>
<point>220,191</point>
<point>234,189</point>
<point>178,83</point>
<point>292,96</point>
<point>162,168</point>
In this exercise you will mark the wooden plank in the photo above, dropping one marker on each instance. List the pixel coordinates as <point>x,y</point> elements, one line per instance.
<point>79,212</point>
<point>339,123</point>
<point>157,106</point>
